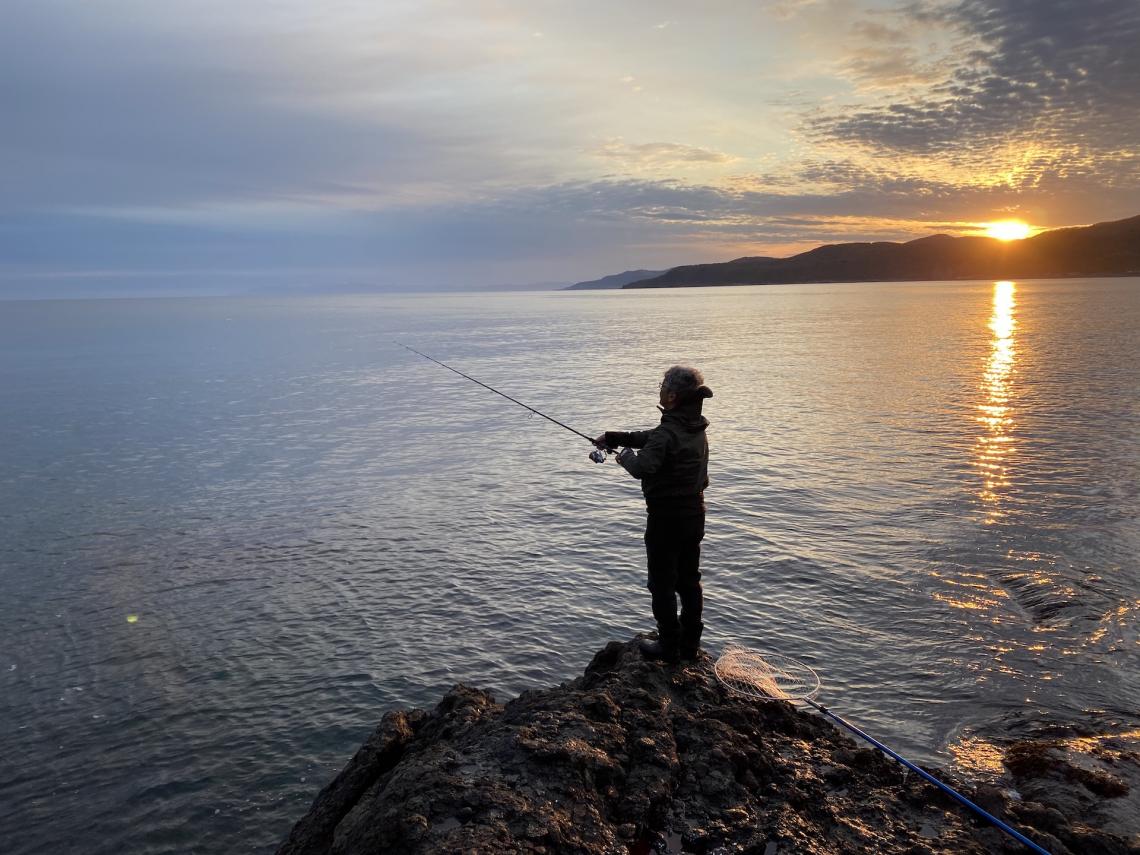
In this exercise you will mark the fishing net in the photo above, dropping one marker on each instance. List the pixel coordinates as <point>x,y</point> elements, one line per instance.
<point>764,676</point>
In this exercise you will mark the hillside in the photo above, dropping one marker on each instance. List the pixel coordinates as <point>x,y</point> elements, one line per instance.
<point>1104,249</point>
<point>617,280</point>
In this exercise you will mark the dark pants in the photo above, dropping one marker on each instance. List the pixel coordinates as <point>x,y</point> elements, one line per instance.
<point>673,547</point>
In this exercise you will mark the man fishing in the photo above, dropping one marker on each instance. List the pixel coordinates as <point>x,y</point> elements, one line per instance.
<point>671,461</point>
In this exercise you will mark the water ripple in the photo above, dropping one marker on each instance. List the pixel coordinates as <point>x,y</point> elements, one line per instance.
<point>230,545</point>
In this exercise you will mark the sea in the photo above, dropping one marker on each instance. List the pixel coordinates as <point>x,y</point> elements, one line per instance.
<point>234,532</point>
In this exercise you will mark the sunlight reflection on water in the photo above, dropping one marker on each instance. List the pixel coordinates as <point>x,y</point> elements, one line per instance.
<point>996,446</point>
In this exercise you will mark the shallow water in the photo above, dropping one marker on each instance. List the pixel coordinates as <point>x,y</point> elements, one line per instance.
<point>235,532</point>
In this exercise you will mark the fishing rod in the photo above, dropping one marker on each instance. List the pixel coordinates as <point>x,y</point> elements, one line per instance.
<point>950,791</point>
<point>598,455</point>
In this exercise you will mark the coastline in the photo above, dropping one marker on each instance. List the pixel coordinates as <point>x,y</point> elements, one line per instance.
<point>639,757</point>
<point>636,286</point>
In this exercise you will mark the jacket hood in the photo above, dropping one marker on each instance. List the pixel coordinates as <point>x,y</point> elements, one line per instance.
<point>688,415</point>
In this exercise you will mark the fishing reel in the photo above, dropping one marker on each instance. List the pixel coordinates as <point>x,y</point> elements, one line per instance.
<point>601,455</point>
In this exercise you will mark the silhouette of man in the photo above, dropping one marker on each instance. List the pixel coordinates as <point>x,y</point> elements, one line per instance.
<point>671,461</point>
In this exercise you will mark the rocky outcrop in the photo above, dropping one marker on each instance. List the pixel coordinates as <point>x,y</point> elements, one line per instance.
<point>640,757</point>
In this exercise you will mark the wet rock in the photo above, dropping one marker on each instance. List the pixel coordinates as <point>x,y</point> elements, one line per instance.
<point>640,757</point>
<point>1083,790</point>
<point>382,751</point>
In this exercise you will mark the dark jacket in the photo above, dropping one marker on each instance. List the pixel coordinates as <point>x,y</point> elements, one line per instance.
<point>673,461</point>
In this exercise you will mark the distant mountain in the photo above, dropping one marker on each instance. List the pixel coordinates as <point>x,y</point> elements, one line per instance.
<point>1105,249</point>
<point>617,280</point>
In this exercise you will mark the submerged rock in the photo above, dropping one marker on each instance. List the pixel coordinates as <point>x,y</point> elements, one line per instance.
<point>1093,778</point>
<point>639,757</point>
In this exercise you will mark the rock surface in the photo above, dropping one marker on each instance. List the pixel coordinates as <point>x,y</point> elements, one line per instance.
<point>639,757</point>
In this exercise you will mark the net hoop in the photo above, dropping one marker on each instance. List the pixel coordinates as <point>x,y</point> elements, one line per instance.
<point>765,676</point>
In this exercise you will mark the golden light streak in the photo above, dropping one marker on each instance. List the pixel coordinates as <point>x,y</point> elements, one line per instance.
<point>993,447</point>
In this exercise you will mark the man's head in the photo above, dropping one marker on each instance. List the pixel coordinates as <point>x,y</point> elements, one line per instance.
<point>682,384</point>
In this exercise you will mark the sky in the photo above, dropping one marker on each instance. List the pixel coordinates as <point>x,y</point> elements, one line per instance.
<point>285,146</point>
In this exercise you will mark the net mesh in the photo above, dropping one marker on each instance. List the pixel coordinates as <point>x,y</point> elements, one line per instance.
<point>764,676</point>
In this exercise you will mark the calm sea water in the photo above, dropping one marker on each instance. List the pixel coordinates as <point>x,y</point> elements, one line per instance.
<point>234,532</point>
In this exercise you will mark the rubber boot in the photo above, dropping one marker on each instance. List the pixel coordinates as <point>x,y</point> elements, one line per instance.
<point>665,649</point>
<point>690,641</point>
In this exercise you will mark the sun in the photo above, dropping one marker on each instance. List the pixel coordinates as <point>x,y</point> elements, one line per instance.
<point>1008,230</point>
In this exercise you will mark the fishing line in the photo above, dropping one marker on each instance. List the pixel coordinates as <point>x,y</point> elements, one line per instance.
<point>764,677</point>
<point>594,455</point>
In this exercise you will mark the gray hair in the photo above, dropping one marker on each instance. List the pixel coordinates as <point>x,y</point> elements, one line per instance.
<point>685,383</point>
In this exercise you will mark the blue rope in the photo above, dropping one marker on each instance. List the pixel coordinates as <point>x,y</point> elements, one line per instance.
<point>1012,832</point>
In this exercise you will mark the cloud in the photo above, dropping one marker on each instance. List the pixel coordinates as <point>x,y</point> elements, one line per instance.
<point>785,9</point>
<point>562,231</point>
<point>658,154</point>
<point>881,56</point>
<point>1049,88</point>
<point>152,110</point>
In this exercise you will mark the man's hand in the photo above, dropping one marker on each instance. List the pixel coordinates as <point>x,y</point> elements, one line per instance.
<point>625,454</point>
<point>600,442</point>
